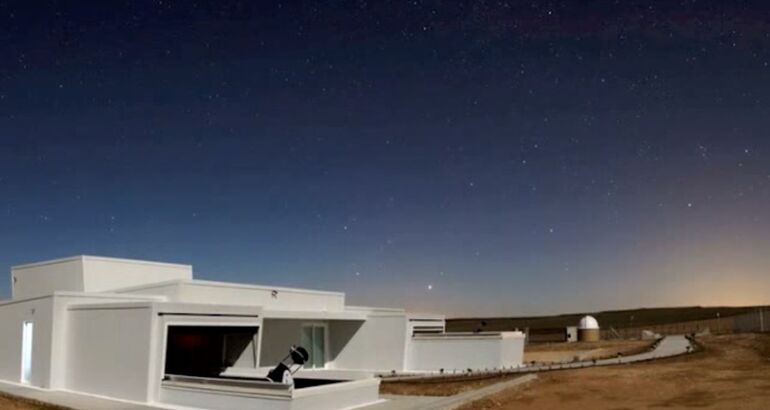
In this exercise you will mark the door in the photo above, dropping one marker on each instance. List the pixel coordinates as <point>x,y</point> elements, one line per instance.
<point>314,340</point>
<point>26,351</point>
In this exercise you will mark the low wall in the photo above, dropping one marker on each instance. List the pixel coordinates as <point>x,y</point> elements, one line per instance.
<point>349,394</point>
<point>465,351</point>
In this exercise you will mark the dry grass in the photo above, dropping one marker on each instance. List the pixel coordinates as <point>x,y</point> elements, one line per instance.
<point>441,387</point>
<point>732,372</point>
<point>603,344</point>
<point>564,352</point>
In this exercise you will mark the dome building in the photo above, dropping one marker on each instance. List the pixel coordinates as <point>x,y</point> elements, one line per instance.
<point>588,329</point>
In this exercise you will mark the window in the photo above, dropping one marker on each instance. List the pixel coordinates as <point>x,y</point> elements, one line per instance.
<point>314,340</point>
<point>427,330</point>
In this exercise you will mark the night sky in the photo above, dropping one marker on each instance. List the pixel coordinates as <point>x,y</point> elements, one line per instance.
<point>465,157</point>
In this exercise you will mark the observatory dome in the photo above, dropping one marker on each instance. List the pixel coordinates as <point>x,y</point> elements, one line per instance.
<point>588,322</point>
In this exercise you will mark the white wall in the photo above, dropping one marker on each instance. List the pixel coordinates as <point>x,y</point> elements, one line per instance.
<point>277,337</point>
<point>109,351</point>
<point>42,279</point>
<point>214,399</point>
<point>106,274</point>
<point>374,345</point>
<point>169,290</point>
<point>337,396</point>
<point>12,315</point>
<point>90,274</point>
<point>512,349</point>
<point>430,353</point>
<point>61,329</point>
<point>347,395</point>
<point>285,299</point>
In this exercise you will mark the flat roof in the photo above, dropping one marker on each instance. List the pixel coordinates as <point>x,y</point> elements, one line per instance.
<point>98,258</point>
<point>313,315</point>
<point>210,283</point>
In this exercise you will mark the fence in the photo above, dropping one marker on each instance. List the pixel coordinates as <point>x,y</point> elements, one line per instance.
<point>757,321</point>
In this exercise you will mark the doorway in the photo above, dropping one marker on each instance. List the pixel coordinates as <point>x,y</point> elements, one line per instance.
<point>314,340</point>
<point>26,351</point>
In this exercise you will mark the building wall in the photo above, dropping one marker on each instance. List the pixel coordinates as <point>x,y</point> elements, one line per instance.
<point>43,279</point>
<point>170,290</point>
<point>512,349</point>
<point>378,344</point>
<point>589,335</point>
<point>284,299</point>
<point>249,357</point>
<point>430,353</point>
<point>106,274</point>
<point>109,350</point>
<point>572,334</point>
<point>277,337</point>
<point>12,315</point>
<point>61,331</point>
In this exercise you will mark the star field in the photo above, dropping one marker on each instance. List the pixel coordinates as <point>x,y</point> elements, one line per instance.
<point>470,157</point>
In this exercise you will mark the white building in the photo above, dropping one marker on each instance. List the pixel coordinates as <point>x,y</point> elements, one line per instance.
<point>148,332</point>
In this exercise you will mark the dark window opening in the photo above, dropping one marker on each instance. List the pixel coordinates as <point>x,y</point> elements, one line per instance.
<point>427,330</point>
<point>206,351</point>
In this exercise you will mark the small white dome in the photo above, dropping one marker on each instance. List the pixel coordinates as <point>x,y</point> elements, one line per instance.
<point>588,322</point>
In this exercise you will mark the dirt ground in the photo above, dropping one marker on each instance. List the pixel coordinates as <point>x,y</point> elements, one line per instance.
<point>732,372</point>
<point>564,352</point>
<point>13,403</point>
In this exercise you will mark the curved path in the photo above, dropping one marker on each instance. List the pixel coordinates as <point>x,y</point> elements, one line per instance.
<point>669,346</point>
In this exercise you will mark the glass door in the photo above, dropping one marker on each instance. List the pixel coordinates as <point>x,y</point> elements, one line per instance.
<point>26,352</point>
<point>314,340</point>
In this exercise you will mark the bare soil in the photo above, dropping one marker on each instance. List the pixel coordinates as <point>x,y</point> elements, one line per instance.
<point>441,387</point>
<point>732,372</point>
<point>8,402</point>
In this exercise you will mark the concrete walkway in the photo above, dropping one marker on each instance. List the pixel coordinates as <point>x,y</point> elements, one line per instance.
<point>667,347</point>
